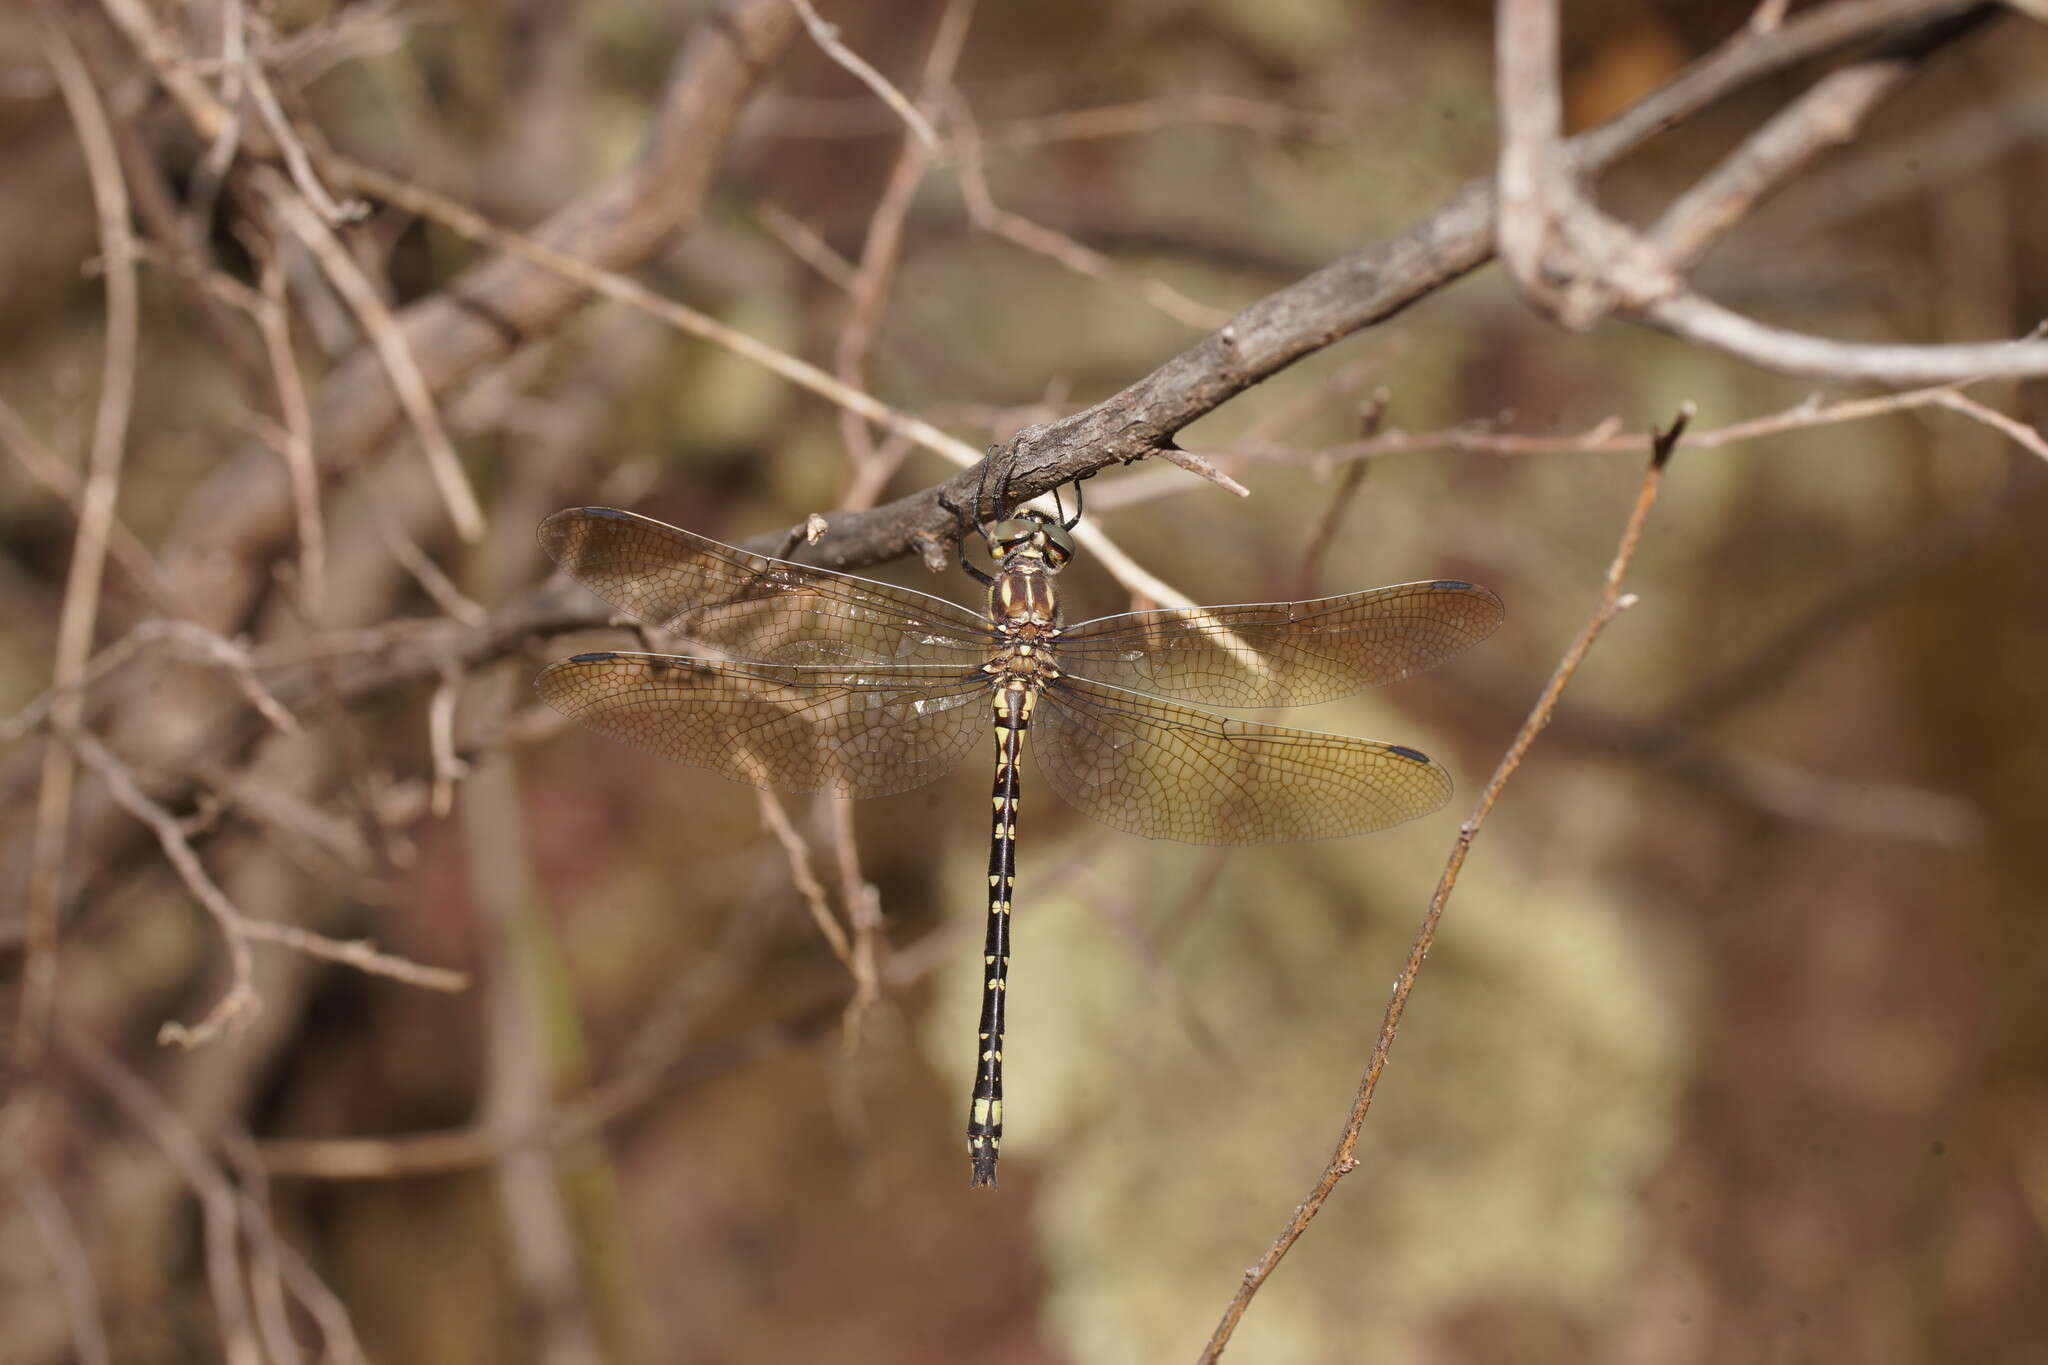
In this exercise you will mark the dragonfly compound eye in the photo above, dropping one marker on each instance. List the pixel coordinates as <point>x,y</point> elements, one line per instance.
<point>1013,532</point>
<point>1059,544</point>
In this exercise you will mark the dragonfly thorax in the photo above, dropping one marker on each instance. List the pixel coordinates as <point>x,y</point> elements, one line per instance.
<point>1023,601</point>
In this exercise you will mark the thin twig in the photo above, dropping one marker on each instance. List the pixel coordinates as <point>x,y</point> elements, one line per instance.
<point>868,292</point>
<point>218,1210</point>
<point>826,36</point>
<point>265,1267</point>
<point>70,1266</point>
<point>273,321</point>
<point>863,911</point>
<point>449,769</point>
<point>466,222</point>
<point>238,929</point>
<point>387,338</point>
<point>1609,436</point>
<point>1612,603</point>
<point>82,583</point>
<point>193,641</point>
<point>1056,246</point>
<point>620,289</point>
<point>1214,107</point>
<point>1202,468</point>
<point>43,465</point>
<point>204,191</point>
<point>299,165</point>
<point>1699,320</point>
<point>804,242</point>
<point>656,1060</point>
<point>802,877</point>
<point>1348,484</point>
<point>425,572</point>
<point>2028,438</point>
<point>1829,114</point>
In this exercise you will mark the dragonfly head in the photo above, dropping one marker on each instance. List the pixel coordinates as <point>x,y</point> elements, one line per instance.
<point>1033,535</point>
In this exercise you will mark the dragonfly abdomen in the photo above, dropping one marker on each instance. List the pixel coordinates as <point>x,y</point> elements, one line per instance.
<point>985,1114</point>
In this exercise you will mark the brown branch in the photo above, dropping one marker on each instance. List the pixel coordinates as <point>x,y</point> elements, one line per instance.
<point>80,612</point>
<point>488,311</point>
<point>1705,323</point>
<point>1531,180</point>
<point>394,353</point>
<point>1612,603</point>
<point>1574,264</point>
<point>1829,114</point>
<point>218,554</point>
<point>1349,294</point>
<point>274,322</point>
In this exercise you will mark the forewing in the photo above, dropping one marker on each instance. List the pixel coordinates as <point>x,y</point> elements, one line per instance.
<point>737,603</point>
<point>1171,772</point>
<point>791,728</point>
<point>1283,653</point>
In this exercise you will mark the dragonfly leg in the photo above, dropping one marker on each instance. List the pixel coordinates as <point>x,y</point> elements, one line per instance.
<point>964,524</point>
<point>1066,522</point>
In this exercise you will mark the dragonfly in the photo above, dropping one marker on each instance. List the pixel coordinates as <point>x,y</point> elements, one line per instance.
<point>807,680</point>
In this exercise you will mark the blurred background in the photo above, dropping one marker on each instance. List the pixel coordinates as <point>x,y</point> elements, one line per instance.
<point>1733,1046</point>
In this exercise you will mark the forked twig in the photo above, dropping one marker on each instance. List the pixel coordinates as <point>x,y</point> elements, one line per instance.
<point>192,641</point>
<point>237,928</point>
<point>1612,603</point>
<point>826,36</point>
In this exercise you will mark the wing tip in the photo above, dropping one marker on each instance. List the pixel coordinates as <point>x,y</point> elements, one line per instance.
<point>1478,591</point>
<point>556,527</point>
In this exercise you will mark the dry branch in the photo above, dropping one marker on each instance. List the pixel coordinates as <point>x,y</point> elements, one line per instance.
<point>1611,604</point>
<point>102,486</point>
<point>1369,286</point>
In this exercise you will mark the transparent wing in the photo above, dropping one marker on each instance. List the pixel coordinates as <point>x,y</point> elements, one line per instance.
<point>792,728</point>
<point>754,607</point>
<point>1171,772</point>
<point>1283,653</point>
